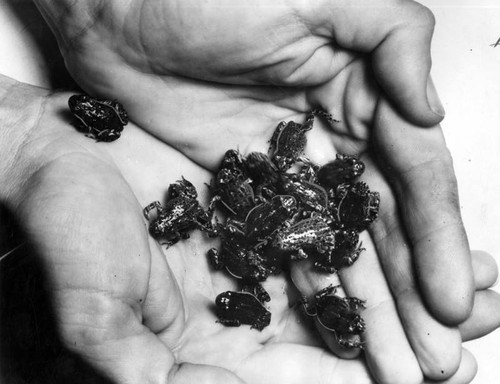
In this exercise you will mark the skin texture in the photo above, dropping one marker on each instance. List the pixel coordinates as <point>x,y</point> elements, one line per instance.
<point>160,50</point>
<point>188,99</point>
<point>142,316</point>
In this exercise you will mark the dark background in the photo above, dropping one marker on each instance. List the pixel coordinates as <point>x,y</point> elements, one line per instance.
<point>30,349</point>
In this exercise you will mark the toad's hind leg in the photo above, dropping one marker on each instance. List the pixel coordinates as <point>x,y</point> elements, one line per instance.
<point>257,290</point>
<point>349,343</point>
<point>150,207</point>
<point>331,289</point>
<point>229,322</point>
<point>354,303</point>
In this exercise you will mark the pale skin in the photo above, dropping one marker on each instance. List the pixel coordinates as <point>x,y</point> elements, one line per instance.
<point>134,171</point>
<point>141,317</point>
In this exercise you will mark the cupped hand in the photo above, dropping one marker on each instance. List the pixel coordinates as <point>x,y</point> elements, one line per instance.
<point>294,56</point>
<point>290,43</point>
<point>134,311</point>
<point>194,77</point>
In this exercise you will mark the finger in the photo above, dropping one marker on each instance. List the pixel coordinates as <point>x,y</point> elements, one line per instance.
<point>298,364</point>
<point>485,316</point>
<point>99,269</point>
<point>419,167</point>
<point>485,270</point>
<point>398,34</point>
<point>310,281</point>
<point>436,346</point>
<point>465,373</point>
<point>388,351</point>
<point>99,278</point>
<point>127,352</point>
<point>162,307</point>
<point>130,353</point>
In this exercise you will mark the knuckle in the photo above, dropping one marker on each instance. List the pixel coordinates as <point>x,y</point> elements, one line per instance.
<point>420,15</point>
<point>425,16</point>
<point>92,321</point>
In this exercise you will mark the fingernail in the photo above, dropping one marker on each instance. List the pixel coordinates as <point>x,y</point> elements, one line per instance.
<point>433,99</point>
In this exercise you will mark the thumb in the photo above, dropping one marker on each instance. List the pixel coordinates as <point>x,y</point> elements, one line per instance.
<point>141,357</point>
<point>398,35</point>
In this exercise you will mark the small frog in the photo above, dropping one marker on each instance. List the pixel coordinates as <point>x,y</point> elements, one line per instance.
<point>103,120</point>
<point>236,308</point>
<point>242,259</point>
<point>346,251</point>
<point>313,232</point>
<point>244,252</point>
<point>263,172</point>
<point>343,169</point>
<point>289,141</point>
<point>337,314</point>
<point>182,189</point>
<point>181,214</point>
<point>231,188</point>
<point>232,193</point>
<point>310,196</point>
<point>267,217</point>
<point>355,206</point>
<point>233,160</point>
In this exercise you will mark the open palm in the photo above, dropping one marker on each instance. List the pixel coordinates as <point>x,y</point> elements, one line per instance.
<point>140,313</point>
<point>210,91</point>
<point>123,303</point>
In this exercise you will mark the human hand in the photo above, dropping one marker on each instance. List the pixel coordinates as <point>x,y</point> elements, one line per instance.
<point>287,44</point>
<point>101,50</point>
<point>135,313</point>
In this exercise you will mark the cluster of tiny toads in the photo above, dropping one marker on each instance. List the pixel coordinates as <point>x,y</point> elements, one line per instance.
<point>273,216</point>
<point>279,207</point>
